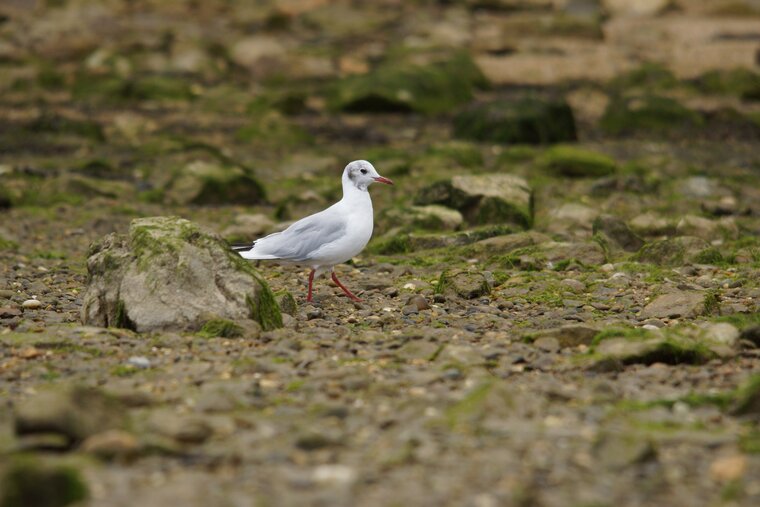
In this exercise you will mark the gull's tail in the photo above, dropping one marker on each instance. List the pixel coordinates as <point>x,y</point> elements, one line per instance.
<point>246,252</point>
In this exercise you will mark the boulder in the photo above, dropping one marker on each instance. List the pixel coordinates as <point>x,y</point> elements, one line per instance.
<point>209,183</point>
<point>485,198</point>
<point>527,120</point>
<point>403,87</point>
<point>499,245</point>
<point>168,273</point>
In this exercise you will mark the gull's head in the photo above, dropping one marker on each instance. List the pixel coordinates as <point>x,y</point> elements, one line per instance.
<point>362,174</point>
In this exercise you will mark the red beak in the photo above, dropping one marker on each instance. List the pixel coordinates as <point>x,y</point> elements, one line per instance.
<point>381,179</point>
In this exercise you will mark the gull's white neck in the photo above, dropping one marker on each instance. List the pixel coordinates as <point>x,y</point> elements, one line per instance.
<point>353,194</point>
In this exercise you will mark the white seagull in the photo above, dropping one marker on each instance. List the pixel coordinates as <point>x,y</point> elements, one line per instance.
<point>329,237</point>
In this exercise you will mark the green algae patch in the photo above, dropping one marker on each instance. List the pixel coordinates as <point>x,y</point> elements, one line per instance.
<point>674,251</point>
<point>264,308</point>
<point>221,328</point>
<point>402,87</point>
<point>647,114</point>
<point>528,120</point>
<point>29,482</point>
<point>577,162</point>
<point>742,83</point>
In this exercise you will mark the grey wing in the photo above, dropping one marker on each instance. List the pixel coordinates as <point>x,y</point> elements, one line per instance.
<point>303,238</point>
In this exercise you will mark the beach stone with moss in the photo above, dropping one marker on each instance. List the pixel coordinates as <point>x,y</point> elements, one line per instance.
<point>169,274</point>
<point>31,482</point>
<point>648,114</point>
<point>677,251</point>
<point>484,198</point>
<point>465,284</point>
<point>74,412</point>
<point>577,163</point>
<point>528,120</point>
<point>614,234</point>
<point>210,183</point>
<point>404,87</point>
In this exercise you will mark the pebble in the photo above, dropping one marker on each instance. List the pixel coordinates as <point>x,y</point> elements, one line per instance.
<point>410,310</point>
<point>32,304</point>
<point>419,302</point>
<point>139,362</point>
<point>573,285</point>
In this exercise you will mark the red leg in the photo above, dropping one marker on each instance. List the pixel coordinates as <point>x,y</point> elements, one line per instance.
<point>348,292</point>
<point>311,280</point>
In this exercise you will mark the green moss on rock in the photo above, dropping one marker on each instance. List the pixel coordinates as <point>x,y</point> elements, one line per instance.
<point>264,309</point>
<point>740,82</point>
<point>672,251</point>
<point>647,114</point>
<point>527,120</point>
<point>577,162</point>
<point>220,328</point>
<point>206,183</point>
<point>401,87</point>
<point>29,482</point>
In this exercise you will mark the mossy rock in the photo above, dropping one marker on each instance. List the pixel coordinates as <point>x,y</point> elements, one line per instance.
<point>116,89</point>
<point>30,482</point>
<point>465,284</point>
<point>742,83</point>
<point>484,199</point>
<point>168,273</point>
<point>614,235</point>
<point>210,183</point>
<point>649,76</point>
<point>400,243</point>
<point>577,162</point>
<point>401,87</point>
<point>647,114</point>
<point>433,217</point>
<point>528,120</point>
<point>672,251</point>
<point>221,328</point>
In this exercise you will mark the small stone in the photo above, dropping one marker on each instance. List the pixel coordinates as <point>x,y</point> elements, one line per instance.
<point>410,310</point>
<point>112,444</point>
<point>32,304</point>
<point>334,474</point>
<point>570,336</point>
<point>723,333</point>
<point>419,302</point>
<point>7,312</point>
<point>573,285</point>
<point>312,312</point>
<point>547,343</point>
<point>728,468</point>
<point>139,362</point>
<point>678,304</point>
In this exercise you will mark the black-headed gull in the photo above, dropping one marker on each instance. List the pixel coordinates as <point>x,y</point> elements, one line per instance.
<point>329,237</point>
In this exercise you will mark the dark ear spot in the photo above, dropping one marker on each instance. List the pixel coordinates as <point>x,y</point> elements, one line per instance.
<point>352,174</point>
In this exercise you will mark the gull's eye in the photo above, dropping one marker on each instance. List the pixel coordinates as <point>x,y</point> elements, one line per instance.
<point>364,171</point>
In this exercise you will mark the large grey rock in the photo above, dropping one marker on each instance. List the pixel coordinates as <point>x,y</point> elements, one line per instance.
<point>678,304</point>
<point>167,273</point>
<point>486,198</point>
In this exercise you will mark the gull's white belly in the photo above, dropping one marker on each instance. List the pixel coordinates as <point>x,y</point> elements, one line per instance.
<point>358,233</point>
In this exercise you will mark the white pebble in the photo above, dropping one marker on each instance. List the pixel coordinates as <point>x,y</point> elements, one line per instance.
<point>139,362</point>
<point>32,304</point>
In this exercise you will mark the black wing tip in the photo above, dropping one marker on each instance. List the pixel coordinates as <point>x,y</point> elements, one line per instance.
<point>239,248</point>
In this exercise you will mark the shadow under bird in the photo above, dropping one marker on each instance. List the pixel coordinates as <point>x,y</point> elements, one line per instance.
<point>329,237</point>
